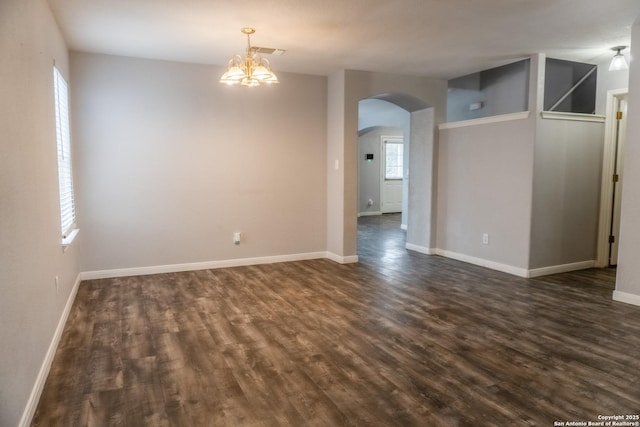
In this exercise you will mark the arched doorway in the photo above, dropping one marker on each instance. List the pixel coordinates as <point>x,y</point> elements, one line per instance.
<point>389,118</point>
<point>426,106</point>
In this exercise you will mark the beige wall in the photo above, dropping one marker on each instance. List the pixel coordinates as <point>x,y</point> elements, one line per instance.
<point>172,163</point>
<point>30,252</point>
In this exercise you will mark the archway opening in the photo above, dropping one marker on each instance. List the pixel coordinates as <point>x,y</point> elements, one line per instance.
<point>390,123</point>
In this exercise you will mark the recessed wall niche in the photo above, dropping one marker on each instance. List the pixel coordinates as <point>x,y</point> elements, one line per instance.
<point>500,90</point>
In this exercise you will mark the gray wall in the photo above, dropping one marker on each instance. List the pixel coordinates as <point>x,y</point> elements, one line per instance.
<point>369,172</point>
<point>337,221</point>
<point>628,274</point>
<point>30,251</point>
<point>173,163</point>
<point>485,174</point>
<point>566,192</point>
<point>533,185</point>
<point>421,223</point>
<point>501,90</point>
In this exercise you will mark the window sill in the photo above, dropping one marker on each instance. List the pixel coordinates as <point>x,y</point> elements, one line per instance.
<point>66,241</point>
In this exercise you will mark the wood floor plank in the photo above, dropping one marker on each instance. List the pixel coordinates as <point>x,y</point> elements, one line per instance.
<point>399,339</point>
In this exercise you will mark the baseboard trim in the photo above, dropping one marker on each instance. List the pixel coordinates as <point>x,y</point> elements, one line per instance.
<point>563,268</point>
<point>36,391</point>
<point>370,213</point>
<point>505,268</point>
<point>626,298</point>
<point>351,259</point>
<point>207,265</point>
<point>421,249</point>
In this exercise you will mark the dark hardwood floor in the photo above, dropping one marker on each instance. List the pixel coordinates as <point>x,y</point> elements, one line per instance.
<point>400,339</point>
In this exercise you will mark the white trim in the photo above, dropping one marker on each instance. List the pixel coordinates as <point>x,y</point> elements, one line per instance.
<point>403,227</point>
<point>207,265</point>
<point>563,268</point>
<point>36,391</point>
<point>580,117</point>
<point>606,186</point>
<point>350,259</point>
<point>421,249</point>
<point>516,271</point>
<point>66,241</point>
<point>485,120</point>
<point>370,213</point>
<point>626,297</point>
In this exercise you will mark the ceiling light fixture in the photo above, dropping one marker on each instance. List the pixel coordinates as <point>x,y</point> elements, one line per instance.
<point>618,62</point>
<point>250,71</point>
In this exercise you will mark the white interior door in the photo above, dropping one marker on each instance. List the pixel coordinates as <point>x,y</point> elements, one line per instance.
<point>392,175</point>
<point>617,180</point>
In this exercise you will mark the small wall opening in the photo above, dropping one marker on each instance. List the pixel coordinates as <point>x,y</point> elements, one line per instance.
<point>497,91</point>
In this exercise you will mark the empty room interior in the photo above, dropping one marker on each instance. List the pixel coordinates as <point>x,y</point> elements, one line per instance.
<point>411,213</point>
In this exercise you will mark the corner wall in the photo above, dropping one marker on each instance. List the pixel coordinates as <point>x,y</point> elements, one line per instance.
<point>30,238</point>
<point>335,162</point>
<point>628,271</point>
<point>484,187</point>
<point>566,193</point>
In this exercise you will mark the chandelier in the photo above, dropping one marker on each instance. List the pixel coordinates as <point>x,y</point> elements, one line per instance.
<point>250,71</point>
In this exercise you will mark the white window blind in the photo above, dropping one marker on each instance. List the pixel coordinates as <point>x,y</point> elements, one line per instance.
<point>63,137</point>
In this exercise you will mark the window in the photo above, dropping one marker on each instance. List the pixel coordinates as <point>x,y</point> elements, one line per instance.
<point>65,176</point>
<point>393,157</point>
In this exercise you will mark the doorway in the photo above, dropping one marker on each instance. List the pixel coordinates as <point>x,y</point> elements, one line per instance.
<point>612,178</point>
<point>416,121</point>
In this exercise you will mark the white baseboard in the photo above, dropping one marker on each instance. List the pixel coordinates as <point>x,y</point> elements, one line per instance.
<point>174,268</point>
<point>505,268</point>
<point>36,391</point>
<point>341,259</point>
<point>555,269</point>
<point>370,213</point>
<point>626,297</point>
<point>421,249</point>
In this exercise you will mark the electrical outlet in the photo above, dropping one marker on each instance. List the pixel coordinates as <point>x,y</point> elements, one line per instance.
<point>236,237</point>
<point>485,239</point>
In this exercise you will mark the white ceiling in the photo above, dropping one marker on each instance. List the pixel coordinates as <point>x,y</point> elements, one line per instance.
<point>434,38</point>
